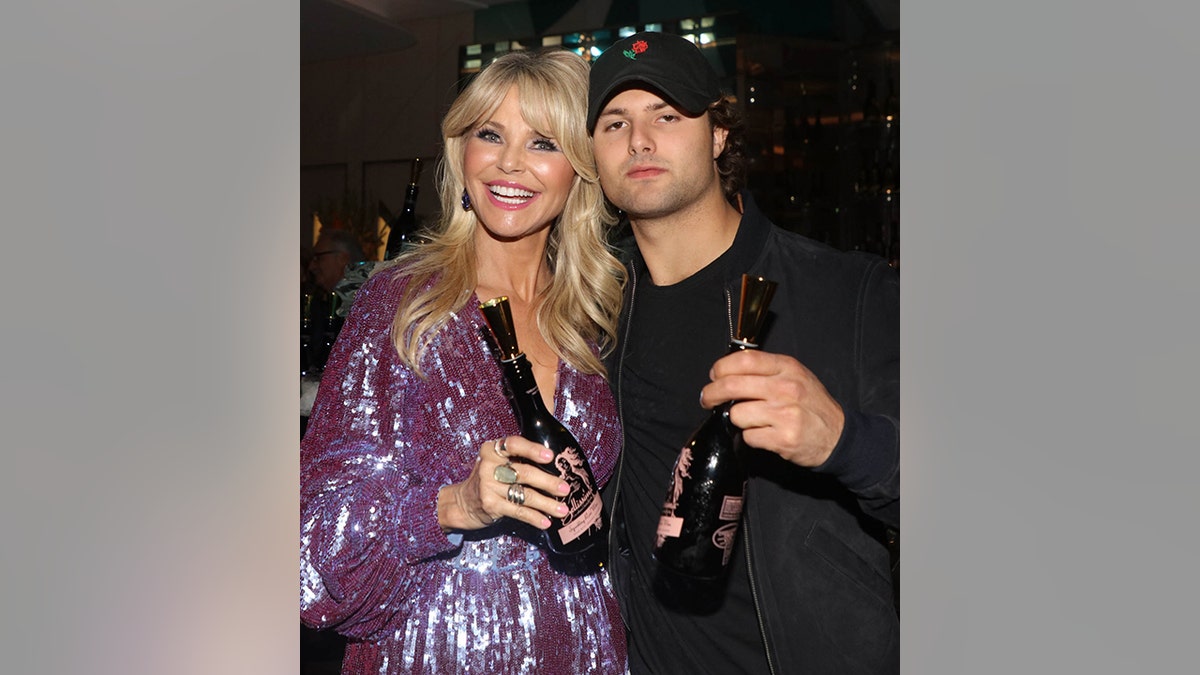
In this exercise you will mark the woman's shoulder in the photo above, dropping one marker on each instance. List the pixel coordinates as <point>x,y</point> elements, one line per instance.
<point>391,278</point>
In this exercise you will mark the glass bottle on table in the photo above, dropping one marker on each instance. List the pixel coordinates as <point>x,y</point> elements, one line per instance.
<point>403,228</point>
<point>702,511</point>
<point>306,347</point>
<point>585,523</point>
<point>332,325</point>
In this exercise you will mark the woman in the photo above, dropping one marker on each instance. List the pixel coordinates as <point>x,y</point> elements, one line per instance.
<point>409,543</point>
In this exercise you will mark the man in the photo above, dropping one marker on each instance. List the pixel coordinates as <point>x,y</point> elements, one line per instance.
<point>335,249</point>
<point>808,589</point>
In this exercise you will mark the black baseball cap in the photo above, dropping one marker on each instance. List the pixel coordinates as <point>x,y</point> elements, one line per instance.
<point>670,64</point>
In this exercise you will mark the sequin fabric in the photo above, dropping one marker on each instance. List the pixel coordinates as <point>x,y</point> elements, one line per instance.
<point>375,566</point>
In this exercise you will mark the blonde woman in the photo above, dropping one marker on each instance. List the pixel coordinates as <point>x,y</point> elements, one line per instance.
<point>409,544</point>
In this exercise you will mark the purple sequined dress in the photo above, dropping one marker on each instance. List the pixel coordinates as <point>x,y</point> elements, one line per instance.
<point>374,563</point>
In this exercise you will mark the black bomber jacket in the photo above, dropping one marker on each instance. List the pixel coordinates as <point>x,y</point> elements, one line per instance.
<point>820,568</point>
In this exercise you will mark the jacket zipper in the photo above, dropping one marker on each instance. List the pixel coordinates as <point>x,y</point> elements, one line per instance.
<point>613,549</point>
<point>762,626</point>
<point>729,312</point>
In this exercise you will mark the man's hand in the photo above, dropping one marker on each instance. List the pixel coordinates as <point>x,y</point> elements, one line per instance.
<point>781,405</point>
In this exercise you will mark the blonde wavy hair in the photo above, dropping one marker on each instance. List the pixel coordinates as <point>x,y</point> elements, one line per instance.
<point>581,303</point>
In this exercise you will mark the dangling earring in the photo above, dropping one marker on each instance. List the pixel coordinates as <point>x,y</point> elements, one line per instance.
<point>466,200</point>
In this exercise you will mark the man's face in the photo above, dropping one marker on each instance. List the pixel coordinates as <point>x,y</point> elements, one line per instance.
<point>327,265</point>
<point>653,159</point>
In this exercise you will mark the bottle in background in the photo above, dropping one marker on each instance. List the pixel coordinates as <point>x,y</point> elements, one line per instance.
<point>306,332</point>
<point>585,523</point>
<point>330,327</point>
<point>703,508</point>
<point>403,228</point>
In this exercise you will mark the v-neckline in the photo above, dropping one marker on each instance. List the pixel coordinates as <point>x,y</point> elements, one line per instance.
<point>552,405</point>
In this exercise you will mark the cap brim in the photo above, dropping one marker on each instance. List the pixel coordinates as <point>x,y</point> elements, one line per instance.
<point>689,100</point>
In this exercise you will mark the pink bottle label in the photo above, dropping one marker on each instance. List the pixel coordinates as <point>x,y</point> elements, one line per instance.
<point>731,507</point>
<point>582,522</point>
<point>583,504</point>
<point>670,526</point>
<point>723,539</point>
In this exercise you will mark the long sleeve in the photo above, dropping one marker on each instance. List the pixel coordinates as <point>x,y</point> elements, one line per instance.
<point>867,457</point>
<point>365,515</point>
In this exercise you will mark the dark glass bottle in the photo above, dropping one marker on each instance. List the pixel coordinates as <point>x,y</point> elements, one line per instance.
<point>403,228</point>
<point>330,328</point>
<point>703,508</point>
<point>306,332</point>
<point>585,523</point>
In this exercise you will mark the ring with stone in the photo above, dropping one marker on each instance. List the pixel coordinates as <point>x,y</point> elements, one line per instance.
<point>505,473</point>
<point>516,494</point>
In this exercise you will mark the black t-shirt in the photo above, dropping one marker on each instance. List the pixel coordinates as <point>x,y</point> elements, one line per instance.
<point>676,333</point>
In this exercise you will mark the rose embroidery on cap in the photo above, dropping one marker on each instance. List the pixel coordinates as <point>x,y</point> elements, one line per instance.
<point>638,47</point>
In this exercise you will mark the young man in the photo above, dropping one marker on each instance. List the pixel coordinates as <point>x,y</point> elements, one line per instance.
<point>809,588</point>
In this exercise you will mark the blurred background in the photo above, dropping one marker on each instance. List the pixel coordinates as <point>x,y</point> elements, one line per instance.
<point>819,80</point>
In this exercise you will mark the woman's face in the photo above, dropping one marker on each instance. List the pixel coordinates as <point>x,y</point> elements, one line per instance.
<point>518,179</point>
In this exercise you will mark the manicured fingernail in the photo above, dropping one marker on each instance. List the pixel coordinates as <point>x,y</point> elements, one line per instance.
<point>562,508</point>
<point>545,523</point>
<point>563,488</point>
<point>547,455</point>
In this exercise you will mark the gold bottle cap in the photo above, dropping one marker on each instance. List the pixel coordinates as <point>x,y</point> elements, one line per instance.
<point>498,316</point>
<point>752,313</point>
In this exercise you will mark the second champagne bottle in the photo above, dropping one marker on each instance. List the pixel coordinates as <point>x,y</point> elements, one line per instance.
<point>585,522</point>
<point>703,508</point>
<point>404,227</point>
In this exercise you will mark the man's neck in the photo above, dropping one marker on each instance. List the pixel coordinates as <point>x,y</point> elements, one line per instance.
<point>678,245</point>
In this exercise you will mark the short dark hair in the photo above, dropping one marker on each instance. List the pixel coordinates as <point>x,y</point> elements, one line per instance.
<point>731,164</point>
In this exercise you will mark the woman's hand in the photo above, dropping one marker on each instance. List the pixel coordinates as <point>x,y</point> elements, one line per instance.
<point>482,499</point>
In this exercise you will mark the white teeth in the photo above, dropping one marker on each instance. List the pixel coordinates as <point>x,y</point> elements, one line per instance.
<point>517,194</point>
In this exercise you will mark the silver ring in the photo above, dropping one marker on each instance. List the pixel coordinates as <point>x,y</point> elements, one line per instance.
<point>516,494</point>
<point>498,447</point>
<point>505,473</point>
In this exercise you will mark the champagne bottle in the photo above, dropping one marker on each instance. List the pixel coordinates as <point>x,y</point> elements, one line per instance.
<point>306,332</point>
<point>331,326</point>
<point>703,508</point>
<point>585,523</point>
<point>403,228</point>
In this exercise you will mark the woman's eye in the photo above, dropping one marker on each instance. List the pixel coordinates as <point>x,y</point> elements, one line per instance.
<point>545,144</point>
<point>487,135</point>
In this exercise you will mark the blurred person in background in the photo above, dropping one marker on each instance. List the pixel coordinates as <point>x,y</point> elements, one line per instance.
<point>333,252</point>
<point>328,261</point>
